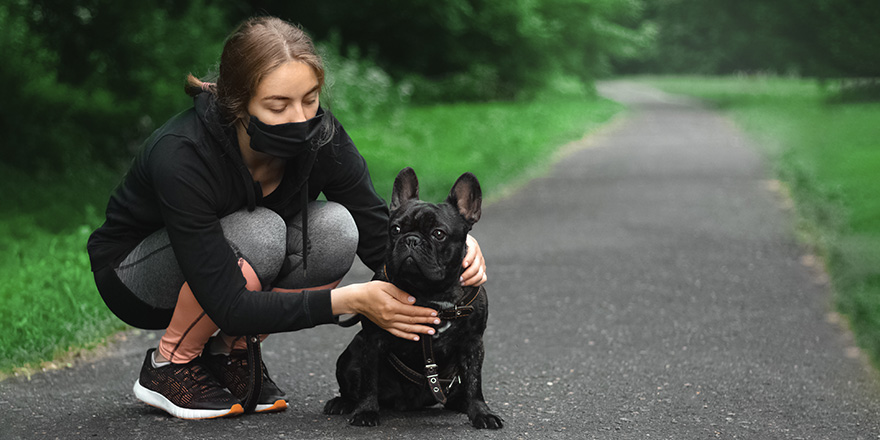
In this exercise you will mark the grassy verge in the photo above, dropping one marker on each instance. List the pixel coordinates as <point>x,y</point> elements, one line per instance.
<point>499,142</point>
<point>50,303</point>
<point>828,154</point>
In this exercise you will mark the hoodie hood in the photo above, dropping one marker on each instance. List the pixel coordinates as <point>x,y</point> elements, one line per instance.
<point>224,135</point>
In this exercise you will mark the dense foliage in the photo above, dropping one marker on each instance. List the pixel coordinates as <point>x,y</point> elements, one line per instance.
<point>815,38</point>
<point>483,49</point>
<point>85,81</point>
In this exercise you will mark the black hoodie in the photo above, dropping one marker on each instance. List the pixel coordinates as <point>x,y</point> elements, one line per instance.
<point>190,173</point>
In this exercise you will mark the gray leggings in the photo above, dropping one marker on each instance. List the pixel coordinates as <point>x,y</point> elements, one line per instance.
<point>271,247</point>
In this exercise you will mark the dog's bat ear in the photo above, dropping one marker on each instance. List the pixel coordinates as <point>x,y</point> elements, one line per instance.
<point>406,187</point>
<point>467,197</point>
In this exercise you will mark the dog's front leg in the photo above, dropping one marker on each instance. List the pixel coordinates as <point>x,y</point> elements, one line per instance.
<point>477,410</point>
<point>366,413</point>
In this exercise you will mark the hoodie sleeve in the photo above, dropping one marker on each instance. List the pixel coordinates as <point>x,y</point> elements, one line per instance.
<point>188,197</point>
<point>351,186</point>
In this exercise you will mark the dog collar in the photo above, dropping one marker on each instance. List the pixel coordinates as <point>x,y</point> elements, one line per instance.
<point>464,308</point>
<point>461,310</point>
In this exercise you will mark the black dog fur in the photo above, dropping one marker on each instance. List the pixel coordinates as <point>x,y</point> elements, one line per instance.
<point>425,250</point>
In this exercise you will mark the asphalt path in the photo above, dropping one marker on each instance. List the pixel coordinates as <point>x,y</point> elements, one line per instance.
<point>649,285</point>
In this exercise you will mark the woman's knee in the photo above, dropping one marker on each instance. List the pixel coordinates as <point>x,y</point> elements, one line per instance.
<point>259,237</point>
<point>333,225</point>
<point>333,236</point>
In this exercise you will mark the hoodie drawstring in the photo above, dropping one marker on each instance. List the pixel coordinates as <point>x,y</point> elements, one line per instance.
<point>305,226</point>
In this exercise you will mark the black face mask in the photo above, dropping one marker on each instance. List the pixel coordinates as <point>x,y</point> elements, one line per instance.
<point>285,141</point>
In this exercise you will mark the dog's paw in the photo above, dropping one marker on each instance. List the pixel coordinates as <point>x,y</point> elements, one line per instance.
<point>338,405</point>
<point>365,418</point>
<point>487,421</point>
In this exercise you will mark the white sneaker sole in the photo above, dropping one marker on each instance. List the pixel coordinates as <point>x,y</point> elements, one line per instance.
<point>157,400</point>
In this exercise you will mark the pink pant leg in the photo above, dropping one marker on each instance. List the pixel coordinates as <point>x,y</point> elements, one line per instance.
<point>190,326</point>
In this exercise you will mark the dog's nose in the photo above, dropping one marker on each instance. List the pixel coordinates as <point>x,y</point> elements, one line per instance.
<point>413,241</point>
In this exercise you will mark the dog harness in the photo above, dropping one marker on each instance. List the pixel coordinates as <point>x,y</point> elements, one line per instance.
<point>438,386</point>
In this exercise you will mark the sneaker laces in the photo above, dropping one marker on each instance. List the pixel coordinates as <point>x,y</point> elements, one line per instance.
<point>232,371</point>
<point>201,375</point>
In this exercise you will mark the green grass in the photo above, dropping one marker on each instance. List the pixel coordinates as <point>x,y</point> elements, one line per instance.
<point>828,154</point>
<point>50,304</point>
<point>501,143</point>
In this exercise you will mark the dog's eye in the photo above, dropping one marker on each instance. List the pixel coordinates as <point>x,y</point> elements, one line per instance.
<point>395,230</point>
<point>439,234</point>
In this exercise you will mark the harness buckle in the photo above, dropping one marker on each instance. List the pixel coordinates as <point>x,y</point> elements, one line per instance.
<point>431,370</point>
<point>433,377</point>
<point>456,312</point>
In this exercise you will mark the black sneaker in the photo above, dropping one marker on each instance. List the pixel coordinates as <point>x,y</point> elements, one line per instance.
<point>232,372</point>
<point>188,391</point>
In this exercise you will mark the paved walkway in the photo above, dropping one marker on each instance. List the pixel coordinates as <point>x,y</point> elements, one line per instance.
<point>650,286</point>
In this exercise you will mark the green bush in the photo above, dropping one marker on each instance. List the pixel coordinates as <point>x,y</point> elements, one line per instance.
<point>816,38</point>
<point>357,89</point>
<point>482,49</point>
<point>86,83</point>
<point>50,304</point>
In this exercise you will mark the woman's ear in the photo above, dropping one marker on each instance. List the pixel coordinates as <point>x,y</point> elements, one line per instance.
<point>243,118</point>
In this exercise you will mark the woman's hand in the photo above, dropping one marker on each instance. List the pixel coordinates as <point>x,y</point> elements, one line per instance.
<point>474,264</point>
<point>387,306</point>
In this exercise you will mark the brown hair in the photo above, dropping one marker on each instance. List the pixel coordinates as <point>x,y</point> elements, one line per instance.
<point>257,47</point>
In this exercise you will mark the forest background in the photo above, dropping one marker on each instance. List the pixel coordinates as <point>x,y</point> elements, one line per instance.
<point>86,81</point>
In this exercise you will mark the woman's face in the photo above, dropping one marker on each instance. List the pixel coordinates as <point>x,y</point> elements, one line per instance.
<point>287,94</point>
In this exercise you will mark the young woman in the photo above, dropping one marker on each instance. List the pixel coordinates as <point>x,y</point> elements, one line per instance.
<point>215,231</point>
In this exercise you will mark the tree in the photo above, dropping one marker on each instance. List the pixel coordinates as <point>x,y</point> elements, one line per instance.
<point>84,81</point>
<point>837,38</point>
<point>479,49</point>
<point>822,38</point>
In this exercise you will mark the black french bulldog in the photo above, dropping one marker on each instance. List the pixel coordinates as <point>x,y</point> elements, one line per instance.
<point>424,254</point>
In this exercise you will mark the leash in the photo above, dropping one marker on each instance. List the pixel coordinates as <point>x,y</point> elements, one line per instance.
<point>438,386</point>
<point>255,374</point>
